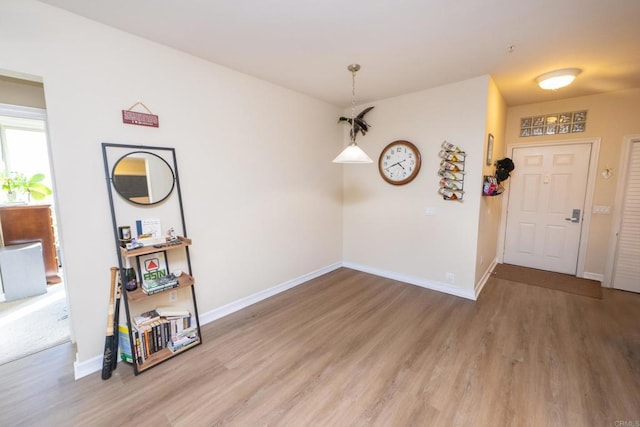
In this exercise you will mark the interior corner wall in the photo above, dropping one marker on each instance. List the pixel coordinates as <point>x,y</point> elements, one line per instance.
<point>386,229</point>
<point>491,206</point>
<point>610,116</point>
<point>263,202</point>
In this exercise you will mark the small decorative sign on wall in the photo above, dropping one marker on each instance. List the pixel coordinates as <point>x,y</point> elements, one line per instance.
<point>131,117</point>
<point>554,124</point>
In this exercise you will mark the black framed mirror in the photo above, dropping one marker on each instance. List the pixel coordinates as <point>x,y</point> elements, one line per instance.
<point>143,178</point>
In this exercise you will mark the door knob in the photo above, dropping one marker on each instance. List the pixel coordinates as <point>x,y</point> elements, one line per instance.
<point>575,216</point>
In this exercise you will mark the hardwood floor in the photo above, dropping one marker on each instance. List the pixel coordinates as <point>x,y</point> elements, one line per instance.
<point>350,348</point>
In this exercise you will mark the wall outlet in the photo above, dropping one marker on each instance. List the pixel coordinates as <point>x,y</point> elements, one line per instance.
<point>173,296</point>
<point>450,277</point>
<point>430,211</point>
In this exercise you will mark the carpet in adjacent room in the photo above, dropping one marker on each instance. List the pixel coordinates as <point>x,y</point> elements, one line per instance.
<point>33,324</point>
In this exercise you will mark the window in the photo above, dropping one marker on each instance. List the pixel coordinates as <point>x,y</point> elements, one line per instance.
<point>23,147</point>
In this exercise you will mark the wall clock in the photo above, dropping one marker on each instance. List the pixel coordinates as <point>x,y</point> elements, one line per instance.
<point>399,162</point>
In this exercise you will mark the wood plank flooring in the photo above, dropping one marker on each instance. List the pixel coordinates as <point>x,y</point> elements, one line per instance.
<point>350,348</point>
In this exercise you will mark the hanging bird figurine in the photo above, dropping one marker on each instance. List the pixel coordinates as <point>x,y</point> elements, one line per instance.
<point>359,125</point>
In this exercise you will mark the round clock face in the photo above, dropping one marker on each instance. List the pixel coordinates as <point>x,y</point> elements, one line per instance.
<point>399,162</point>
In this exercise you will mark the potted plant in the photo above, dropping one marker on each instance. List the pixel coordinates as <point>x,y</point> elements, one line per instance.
<point>16,184</point>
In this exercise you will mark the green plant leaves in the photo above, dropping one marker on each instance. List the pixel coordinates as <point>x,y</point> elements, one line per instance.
<point>16,182</point>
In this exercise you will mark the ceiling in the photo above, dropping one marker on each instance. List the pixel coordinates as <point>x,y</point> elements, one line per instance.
<point>403,46</point>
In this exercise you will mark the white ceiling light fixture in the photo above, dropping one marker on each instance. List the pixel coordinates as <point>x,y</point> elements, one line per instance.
<point>353,153</point>
<point>557,79</point>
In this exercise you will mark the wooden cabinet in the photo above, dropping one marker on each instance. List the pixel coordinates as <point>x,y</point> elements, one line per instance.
<point>31,223</point>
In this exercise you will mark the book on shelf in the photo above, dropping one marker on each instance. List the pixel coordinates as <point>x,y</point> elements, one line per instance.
<point>161,284</point>
<point>124,344</point>
<point>179,346</point>
<point>153,331</point>
<point>151,338</point>
<point>179,324</point>
<point>148,227</point>
<point>146,318</point>
<point>170,311</point>
<point>186,337</point>
<point>159,289</point>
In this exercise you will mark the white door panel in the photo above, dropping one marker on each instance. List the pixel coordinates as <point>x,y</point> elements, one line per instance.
<point>626,273</point>
<point>548,183</point>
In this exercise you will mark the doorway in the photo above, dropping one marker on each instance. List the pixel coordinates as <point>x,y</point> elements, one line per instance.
<point>549,204</point>
<point>623,270</point>
<point>34,319</point>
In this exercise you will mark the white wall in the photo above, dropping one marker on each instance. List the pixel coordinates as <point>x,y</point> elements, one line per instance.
<point>386,230</point>
<point>491,207</point>
<point>262,198</point>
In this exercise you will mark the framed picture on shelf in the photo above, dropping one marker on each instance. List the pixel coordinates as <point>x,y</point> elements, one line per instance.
<point>152,267</point>
<point>489,159</point>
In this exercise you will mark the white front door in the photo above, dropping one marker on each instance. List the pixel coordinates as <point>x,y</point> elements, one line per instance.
<point>546,205</point>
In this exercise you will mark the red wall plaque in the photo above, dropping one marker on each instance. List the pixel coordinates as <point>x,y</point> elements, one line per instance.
<point>140,119</point>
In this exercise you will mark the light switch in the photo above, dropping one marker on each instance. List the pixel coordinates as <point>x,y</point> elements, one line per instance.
<point>602,210</point>
<point>430,211</point>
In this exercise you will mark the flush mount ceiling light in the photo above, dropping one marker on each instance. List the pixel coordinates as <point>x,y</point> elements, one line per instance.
<point>353,153</point>
<point>557,79</point>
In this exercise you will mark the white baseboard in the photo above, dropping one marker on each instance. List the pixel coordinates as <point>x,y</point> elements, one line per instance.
<point>593,276</point>
<point>429,284</point>
<point>82,369</point>
<point>94,364</point>
<point>485,277</point>
<point>232,307</point>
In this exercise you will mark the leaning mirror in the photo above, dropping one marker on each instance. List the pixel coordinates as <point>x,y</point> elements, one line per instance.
<point>143,178</point>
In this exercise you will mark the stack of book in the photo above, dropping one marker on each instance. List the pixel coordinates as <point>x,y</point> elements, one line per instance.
<point>150,287</point>
<point>183,339</point>
<point>164,327</point>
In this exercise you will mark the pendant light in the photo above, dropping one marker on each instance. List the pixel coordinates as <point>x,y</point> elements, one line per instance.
<point>353,153</point>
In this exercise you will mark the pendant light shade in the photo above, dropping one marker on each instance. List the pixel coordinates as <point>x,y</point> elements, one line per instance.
<point>353,154</point>
<point>557,79</point>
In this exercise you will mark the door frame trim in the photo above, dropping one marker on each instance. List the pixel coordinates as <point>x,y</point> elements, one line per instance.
<point>585,226</point>
<point>616,221</point>
<point>24,112</point>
